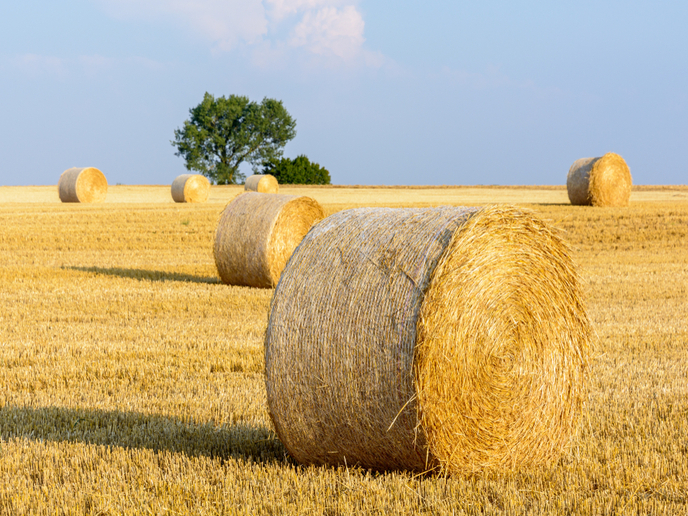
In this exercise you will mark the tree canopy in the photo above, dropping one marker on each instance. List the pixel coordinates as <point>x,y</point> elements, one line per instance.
<point>224,132</point>
<point>297,171</point>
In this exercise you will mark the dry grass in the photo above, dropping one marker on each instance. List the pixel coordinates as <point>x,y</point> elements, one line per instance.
<point>604,181</point>
<point>131,383</point>
<point>424,339</point>
<point>82,185</point>
<point>190,188</point>
<point>257,233</point>
<point>264,183</point>
<point>513,344</point>
<point>338,197</point>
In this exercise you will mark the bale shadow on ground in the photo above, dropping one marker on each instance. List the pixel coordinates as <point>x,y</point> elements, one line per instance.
<point>148,275</point>
<point>143,431</point>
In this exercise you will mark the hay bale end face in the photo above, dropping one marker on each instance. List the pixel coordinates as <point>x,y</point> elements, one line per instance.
<point>258,232</point>
<point>190,188</point>
<point>449,339</point>
<point>604,181</point>
<point>264,183</point>
<point>82,185</point>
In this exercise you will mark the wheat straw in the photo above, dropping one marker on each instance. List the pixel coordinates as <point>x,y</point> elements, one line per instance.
<point>264,183</point>
<point>190,188</point>
<point>604,181</point>
<point>82,185</point>
<point>258,232</point>
<point>443,338</point>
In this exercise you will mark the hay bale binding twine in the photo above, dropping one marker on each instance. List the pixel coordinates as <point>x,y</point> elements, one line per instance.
<point>190,188</point>
<point>446,338</point>
<point>604,181</point>
<point>82,185</point>
<point>257,233</point>
<point>264,183</point>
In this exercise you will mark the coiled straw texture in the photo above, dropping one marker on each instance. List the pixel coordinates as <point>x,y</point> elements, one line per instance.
<point>448,339</point>
<point>190,188</point>
<point>82,185</point>
<point>264,183</point>
<point>604,181</point>
<point>258,232</point>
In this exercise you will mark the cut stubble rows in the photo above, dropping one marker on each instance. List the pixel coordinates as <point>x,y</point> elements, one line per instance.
<point>131,378</point>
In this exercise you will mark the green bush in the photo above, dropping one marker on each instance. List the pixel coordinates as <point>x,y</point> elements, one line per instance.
<point>297,171</point>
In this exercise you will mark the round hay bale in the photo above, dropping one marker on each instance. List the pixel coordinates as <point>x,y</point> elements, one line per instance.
<point>82,185</point>
<point>604,181</point>
<point>449,339</point>
<point>257,234</point>
<point>264,183</point>
<point>190,188</point>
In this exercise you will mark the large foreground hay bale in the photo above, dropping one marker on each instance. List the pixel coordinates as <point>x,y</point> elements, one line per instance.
<point>604,181</point>
<point>190,188</point>
<point>257,234</point>
<point>82,185</point>
<point>264,183</point>
<point>444,338</point>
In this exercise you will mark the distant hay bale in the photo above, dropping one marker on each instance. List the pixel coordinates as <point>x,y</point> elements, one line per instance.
<point>446,338</point>
<point>264,183</point>
<point>82,185</point>
<point>604,181</point>
<point>190,188</point>
<point>258,232</point>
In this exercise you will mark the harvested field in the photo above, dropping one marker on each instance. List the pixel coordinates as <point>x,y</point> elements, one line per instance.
<point>337,197</point>
<point>131,378</point>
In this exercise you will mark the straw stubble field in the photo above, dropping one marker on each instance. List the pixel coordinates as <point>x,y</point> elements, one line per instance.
<point>131,378</point>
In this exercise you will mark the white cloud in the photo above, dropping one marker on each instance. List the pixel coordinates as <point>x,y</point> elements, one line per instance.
<point>281,8</point>
<point>225,23</point>
<point>330,30</point>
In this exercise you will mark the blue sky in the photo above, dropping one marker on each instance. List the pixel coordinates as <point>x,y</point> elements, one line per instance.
<point>446,92</point>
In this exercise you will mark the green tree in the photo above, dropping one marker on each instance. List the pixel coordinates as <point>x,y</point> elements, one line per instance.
<point>224,132</point>
<point>299,171</point>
